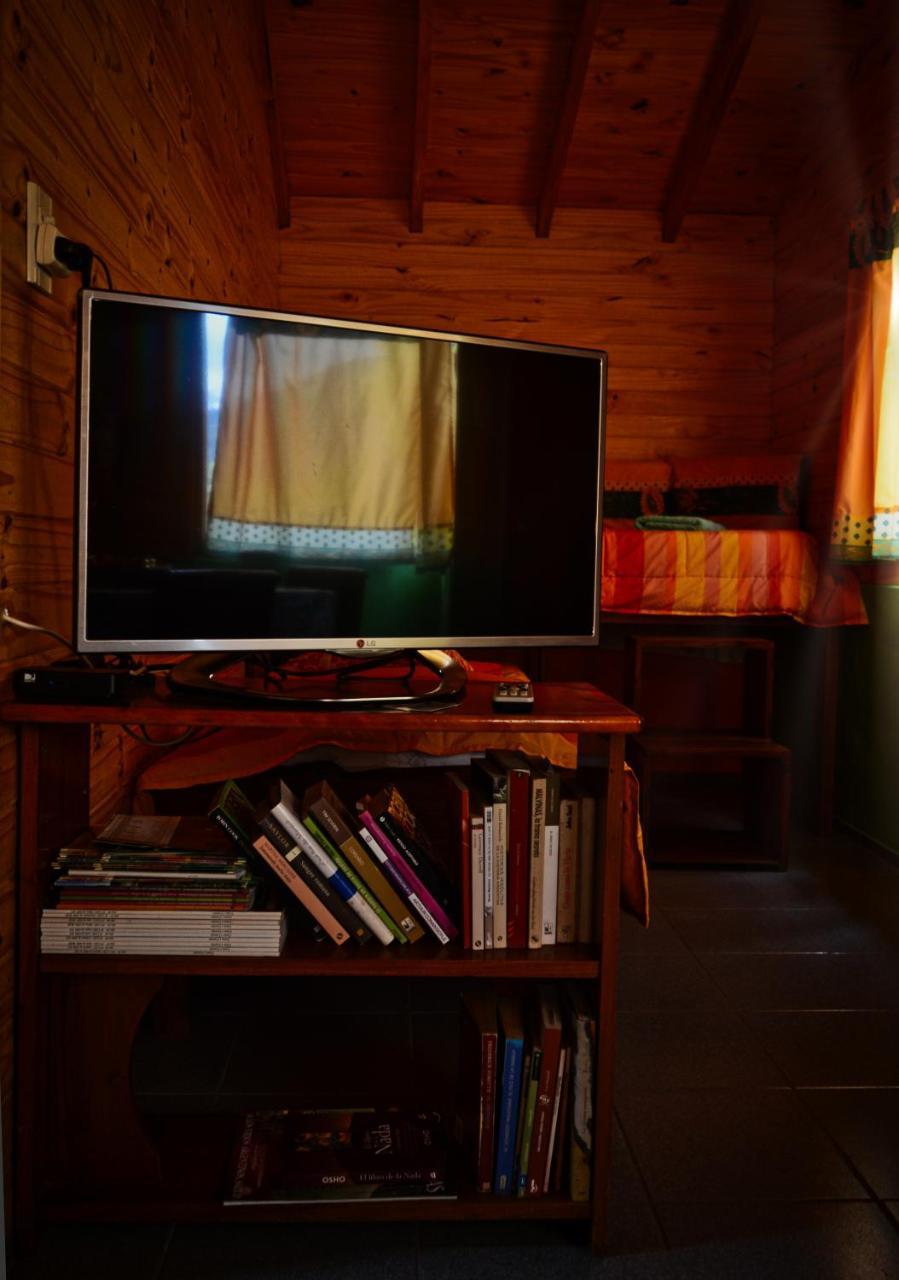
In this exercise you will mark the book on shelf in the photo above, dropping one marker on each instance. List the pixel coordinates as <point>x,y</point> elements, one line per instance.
<point>518,773</point>
<point>535,870</point>
<point>296,1157</point>
<point>511,1044</point>
<point>559,1155</point>
<point>566,898</point>
<point>404,874</point>
<point>332,890</point>
<point>489,875</point>
<point>477,1101</point>
<point>326,806</point>
<point>398,820</point>
<point>549,1031</point>
<point>530,1088</point>
<point>477,874</point>
<point>493,783</point>
<point>554,1138</point>
<point>460,823</point>
<point>551,854</point>
<point>591,834</point>
<point>379,922</point>
<point>160,932</point>
<point>308,888</point>
<point>581,1020</point>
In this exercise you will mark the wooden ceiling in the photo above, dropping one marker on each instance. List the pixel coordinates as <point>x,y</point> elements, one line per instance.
<point>677,106</point>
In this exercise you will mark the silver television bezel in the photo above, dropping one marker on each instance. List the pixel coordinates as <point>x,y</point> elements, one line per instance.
<point>354,644</point>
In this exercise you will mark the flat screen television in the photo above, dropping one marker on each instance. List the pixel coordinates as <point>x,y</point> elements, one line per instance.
<point>254,481</point>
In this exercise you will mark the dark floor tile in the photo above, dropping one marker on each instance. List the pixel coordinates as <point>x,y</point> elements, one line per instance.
<point>729,1146</point>
<point>823,1241</point>
<point>865,1124</point>
<point>689,1049</point>
<point>652,980</point>
<point>632,1224</point>
<point>106,1251</point>
<point>278,1251</point>
<point>832,1049</point>
<point>499,1250</point>
<point>778,929</point>
<point>659,938</point>
<point>688,889</point>
<point>811,981</point>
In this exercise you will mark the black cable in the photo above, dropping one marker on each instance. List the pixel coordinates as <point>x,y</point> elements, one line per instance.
<point>103,263</point>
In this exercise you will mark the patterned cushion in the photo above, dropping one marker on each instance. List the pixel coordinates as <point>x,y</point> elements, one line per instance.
<point>632,487</point>
<point>756,490</point>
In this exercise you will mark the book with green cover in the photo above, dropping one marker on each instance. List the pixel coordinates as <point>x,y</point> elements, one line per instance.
<point>393,929</point>
<point>527,1127</point>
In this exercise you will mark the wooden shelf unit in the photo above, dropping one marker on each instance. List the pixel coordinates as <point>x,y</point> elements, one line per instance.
<point>83,1150</point>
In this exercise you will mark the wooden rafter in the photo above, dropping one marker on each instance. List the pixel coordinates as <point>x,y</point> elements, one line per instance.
<point>276,142</point>
<point>422,114</point>
<point>735,33</point>
<point>574,88</point>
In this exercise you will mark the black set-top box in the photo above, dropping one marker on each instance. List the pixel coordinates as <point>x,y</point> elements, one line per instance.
<point>71,684</point>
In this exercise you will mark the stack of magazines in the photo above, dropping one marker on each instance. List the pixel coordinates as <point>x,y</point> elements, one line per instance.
<point>158,886</point>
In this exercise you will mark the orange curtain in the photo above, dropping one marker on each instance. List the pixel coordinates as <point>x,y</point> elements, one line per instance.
<point>866,505</point>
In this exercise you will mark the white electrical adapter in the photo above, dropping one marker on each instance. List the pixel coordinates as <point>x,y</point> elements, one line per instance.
<point>45,249</point>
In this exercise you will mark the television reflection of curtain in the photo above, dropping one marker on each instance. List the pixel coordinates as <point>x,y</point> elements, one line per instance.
<point>335,446</point>
<point>866,506</point>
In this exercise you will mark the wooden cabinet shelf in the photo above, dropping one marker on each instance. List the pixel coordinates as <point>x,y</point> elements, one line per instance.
<point>83,1149</point>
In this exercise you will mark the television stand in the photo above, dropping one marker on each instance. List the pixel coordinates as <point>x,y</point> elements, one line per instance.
<point>333,681</point>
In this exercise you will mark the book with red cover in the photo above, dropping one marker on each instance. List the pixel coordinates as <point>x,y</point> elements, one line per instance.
<point>518,823</point>
<point>460,800</point>
<point>477,1105</point>
<point>549,1022</point>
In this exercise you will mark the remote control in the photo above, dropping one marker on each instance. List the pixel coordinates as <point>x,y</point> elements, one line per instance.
<point>513,695</point>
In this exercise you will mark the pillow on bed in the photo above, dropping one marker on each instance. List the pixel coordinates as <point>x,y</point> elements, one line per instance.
<point>740,491</point>
<point>634,488</point>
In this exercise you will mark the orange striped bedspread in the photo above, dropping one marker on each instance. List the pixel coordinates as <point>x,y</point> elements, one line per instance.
<point>735,573</point>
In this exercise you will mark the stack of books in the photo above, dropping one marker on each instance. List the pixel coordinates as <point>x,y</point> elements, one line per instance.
<point>527,1083</point>
<point>127,892</point>
<point>368,874</point>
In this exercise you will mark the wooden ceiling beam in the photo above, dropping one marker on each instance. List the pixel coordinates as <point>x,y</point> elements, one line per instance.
<point>276,142</point>
<point>574,88</point>
<point>422,115</point>
<point>735,34</point>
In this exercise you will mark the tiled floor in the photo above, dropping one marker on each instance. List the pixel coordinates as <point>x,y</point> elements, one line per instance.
<point>757,1112</point>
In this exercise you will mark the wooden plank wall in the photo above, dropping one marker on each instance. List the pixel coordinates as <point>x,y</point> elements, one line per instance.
<point>857,151</point>
<point>687,326</point>
<point>145,124</point>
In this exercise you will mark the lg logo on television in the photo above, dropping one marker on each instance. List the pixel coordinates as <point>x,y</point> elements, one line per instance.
<point>365,644</point>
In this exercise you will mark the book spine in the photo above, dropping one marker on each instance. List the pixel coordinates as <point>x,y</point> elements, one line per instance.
<point>568,838</point>
<point>581,1127</point>
<point>367,868</point>
<point>462,797</point>
<point>487,1126</point>
<point>323,864</point>
<point>489,869</point>
<point>376,841</point>
<point>429,875</point>
<point>500,883</point>
<point>508,1115</point>
<point>517,859</point>
<point>551,1043</point>
<point>300,889</point>
<point>231,828</point>
<point>535,886</point>
<point>319,884</point>
<point>554,1124</point>
<point>477,882</point>
<point>586,868</point>
<point>551,858</point>
<point>562,1130</point>
<point>424,903</point>
<point>527,1131</point>
<point>380,923</point>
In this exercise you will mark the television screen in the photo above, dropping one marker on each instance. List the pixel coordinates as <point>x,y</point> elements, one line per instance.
<point>254,480</point>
